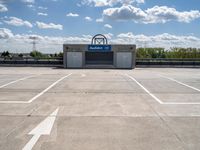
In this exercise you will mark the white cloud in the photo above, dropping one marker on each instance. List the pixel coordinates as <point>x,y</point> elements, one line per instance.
<point>164,14</point>
<point>88,18</point>
<point>108,26</point>
<point>125,35</point>
<point>124,13</point>
<point>34,7</point>
<point>18,22</point>
<point>28,1</point>
<point>5,33</point>
<point>109,36</point>
<point>102,3</point>
<point>157,14</point>
<point>165,40</point>
<point>51,44</point>
<point>3,8</point>
<point>43,8</point>
<point>140,1</point>
<point>42,14</point>
<point>45,44</point>
<point>87,36</point>
<point>99,20</point>
<point>30,6</point>
<point>43,25</point>
<point>72,15</point>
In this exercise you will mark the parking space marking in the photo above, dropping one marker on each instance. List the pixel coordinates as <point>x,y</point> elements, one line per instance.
<point>48,88</point>
<point>158,100</point>
<point>180,83</point>
<point>38,95</point>
<point>44,128</point>
<point>12,82</point>
<point>181,103</point>
<point>154,97</point>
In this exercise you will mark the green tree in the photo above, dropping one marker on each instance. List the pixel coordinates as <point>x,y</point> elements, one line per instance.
<point>5,54</point>
<point>36,54</point>
<point>174,52</point>
<point>151,53</point>
<point>55,55</point>
<point>60,54</point>
<point>20,55</point>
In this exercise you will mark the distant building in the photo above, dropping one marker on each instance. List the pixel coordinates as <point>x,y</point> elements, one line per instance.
<point>99,54</point>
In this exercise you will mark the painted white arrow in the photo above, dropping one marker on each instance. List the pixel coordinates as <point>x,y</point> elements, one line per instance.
<point>44,128</point>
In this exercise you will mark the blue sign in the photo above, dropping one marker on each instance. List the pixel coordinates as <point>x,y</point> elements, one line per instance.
<point>99,48</point>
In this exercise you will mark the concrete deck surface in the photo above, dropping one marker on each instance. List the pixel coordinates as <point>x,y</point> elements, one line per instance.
<point>100,109</point>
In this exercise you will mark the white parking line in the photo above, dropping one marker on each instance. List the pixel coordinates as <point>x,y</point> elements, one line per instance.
<point>158,100</point>
<point>38,95</point>
<point>181,103</point>
<point>154,97</point>
<point>2,86</point>
<point>180,83</point>
<point>44,128</point>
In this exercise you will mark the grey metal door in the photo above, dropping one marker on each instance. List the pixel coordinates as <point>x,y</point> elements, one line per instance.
<point>74,59</point>
<point>124,60</point>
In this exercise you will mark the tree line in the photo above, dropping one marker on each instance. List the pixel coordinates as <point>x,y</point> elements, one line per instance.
<point>33,54</point>
<point>37,54</point>
<point>171,53</point>
<point>141,53</point>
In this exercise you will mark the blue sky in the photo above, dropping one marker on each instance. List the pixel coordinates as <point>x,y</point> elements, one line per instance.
<point>153,23</point>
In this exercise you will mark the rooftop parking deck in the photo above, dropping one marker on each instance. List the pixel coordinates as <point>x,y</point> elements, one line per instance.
<point>95,109</point>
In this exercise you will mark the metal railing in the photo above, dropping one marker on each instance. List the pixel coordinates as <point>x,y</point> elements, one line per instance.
<point>34,61</point>
<point>139,61</point>
<point>168,61</point>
